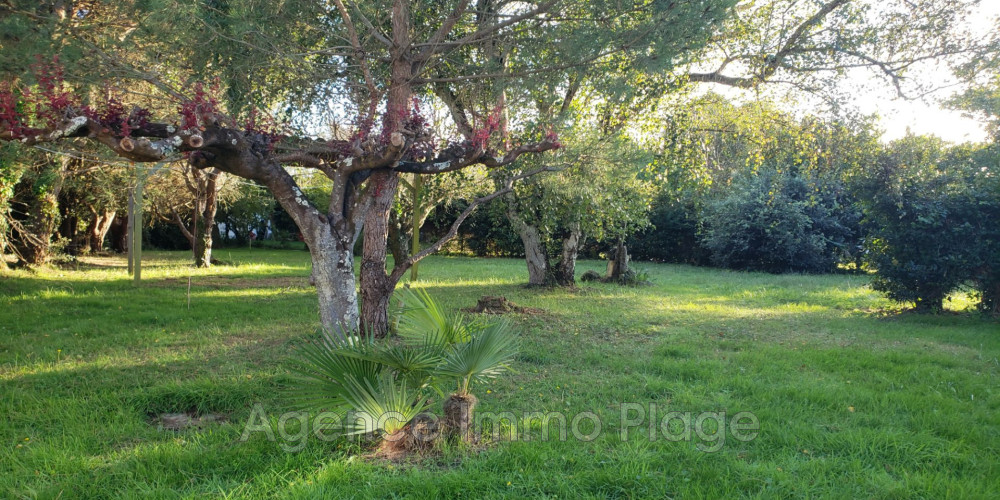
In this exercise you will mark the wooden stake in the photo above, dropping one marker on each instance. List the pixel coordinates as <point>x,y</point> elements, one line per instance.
<point>128,230</point>
<point>137,230</point>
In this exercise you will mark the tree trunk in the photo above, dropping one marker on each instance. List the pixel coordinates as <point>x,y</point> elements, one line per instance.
<point>119,234</point>
<point>69,229</point>
<point>99,229</point>
<point>534,256</point>
<point>398,238</point>
<point>458,416</point>
<point>204,187</point>
<point>333,275</point>
<point>376,288</point>
<point>41,218</point>
<point>417,220</point>
<point>565,272</point>
<point>618,269</point>
<point>206,205</point>
<point>534,251</point>
<point>376,285</point>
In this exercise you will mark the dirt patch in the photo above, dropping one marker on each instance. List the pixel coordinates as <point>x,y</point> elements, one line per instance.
<point>181,421</point>
<point>500,305</point>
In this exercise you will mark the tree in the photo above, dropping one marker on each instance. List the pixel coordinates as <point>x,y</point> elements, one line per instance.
<point>371,57</point>
<point>599,195</point>
<point>811,46</point>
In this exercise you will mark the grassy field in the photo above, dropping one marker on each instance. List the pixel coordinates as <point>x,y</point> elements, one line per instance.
<point>854,400</point>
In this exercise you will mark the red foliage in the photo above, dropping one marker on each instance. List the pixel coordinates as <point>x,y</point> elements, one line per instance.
<point>264,127</point>
<point>53,103</point>
<point>553,137</point>
<point>10,113</point>
<point>493,123</point>
<point>113,115</point>
<point>201,110</point>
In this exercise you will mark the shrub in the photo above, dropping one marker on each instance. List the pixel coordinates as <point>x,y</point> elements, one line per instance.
<point>673,235</point>
<point>933,225</point>
<point>779,222</point>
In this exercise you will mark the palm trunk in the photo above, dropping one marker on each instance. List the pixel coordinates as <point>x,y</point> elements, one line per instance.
<point>458,416</point>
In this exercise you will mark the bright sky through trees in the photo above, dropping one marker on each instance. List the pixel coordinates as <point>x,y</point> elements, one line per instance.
<point>924,116</point>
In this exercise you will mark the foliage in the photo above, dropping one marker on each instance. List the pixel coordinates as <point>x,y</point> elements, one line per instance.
<point>752,187</point>
<point>248,210</point>
<point>363,379</point>
<point>777,222</point>
<point>673,233</point>
<point>932,214</point>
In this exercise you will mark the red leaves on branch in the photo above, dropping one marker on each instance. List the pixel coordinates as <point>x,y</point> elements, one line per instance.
<point>493,123</point>
<point>115,116</point>
<point>553,137</point>
<point>10,111</point>
<point>201,110</point>
<point>53,103</point>
<point>263,127</point>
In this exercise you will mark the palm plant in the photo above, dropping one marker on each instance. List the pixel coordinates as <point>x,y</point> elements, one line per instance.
<point>384,384</point>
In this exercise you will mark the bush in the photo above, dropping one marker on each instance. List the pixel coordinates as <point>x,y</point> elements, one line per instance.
<point>933,227</point>
<point>780,222</point>
<point>673,236</point>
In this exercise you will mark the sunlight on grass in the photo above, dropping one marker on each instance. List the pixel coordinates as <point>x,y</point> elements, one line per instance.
<point>855,398</point>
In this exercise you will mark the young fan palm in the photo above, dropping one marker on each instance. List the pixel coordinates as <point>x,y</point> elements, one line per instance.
<point>382,386</point>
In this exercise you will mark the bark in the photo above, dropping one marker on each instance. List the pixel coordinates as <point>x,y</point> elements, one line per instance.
<point>534,254</point>
<point>618,269</point>
<point>376,287</point>
<point>458,416</point>
<point>565,271</point>
<point>69,229</point>
<point>399,240</point>
<point>203,240</point>
<point>376,284</point>
<point>119,234</point>
<point>204,186</point>
<point>98,229</point>
<point>333,275</point>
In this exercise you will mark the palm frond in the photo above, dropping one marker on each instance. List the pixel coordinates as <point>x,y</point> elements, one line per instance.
<point>424,322</point>
<point>486,355</point>
<point>386,404</point>
<point>324,371</point>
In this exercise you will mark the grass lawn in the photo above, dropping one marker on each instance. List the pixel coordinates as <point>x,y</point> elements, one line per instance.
<point>853,399</point>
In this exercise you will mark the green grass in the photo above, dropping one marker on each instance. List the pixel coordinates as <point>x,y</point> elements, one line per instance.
<point>86,359</point>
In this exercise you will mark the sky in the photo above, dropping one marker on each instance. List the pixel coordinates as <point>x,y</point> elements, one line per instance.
<point>871,95</point>
<point>925,116</point>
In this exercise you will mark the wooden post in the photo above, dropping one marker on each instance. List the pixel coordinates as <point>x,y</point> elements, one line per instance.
<point>137,229</point>
<point>418,209</point>
<point>128,230</point>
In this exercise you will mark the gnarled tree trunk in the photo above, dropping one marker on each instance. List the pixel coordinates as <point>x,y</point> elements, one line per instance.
<point>534,250</point>
<point>565,270</point>
<point>618,269</point>
<point>98,228</point>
